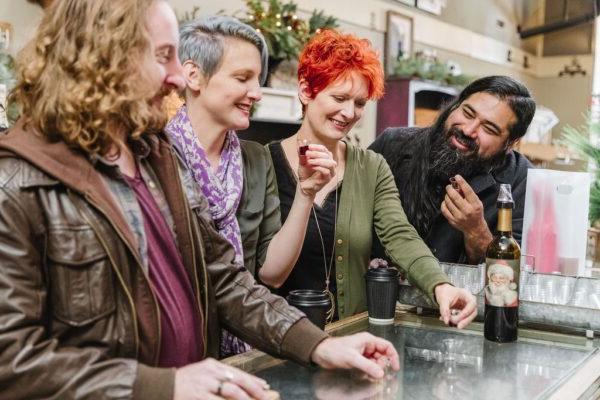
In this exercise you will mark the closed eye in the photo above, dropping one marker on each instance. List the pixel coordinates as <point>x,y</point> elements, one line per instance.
<point>163,58</point>
<point>468,112</point>
<point>164,54</point>
<point>491,129</point>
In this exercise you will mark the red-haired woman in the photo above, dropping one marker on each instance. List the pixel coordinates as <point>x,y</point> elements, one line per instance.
<point>337,75</point>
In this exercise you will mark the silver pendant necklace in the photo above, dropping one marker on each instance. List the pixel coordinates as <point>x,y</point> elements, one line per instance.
<point>327,291</point>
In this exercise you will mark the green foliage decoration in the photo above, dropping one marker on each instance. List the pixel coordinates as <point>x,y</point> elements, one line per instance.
<point>579,140</point>
<point>422,67</point>
<point>284,32</point>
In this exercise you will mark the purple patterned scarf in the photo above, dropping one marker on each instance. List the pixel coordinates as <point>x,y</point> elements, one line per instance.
<point>223,190</point>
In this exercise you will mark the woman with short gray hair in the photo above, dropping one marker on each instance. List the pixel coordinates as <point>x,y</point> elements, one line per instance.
<point>202,41</point>
<point>224,63</point>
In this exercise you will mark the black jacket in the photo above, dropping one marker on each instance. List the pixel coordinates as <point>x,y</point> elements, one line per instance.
<point>397,146</point>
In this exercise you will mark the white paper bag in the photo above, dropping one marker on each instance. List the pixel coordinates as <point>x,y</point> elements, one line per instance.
<point>556,220</point>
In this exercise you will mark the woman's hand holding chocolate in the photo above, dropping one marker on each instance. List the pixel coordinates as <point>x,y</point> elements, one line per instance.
<point>315,169</point>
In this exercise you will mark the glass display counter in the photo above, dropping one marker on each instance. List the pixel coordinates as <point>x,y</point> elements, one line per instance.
<point>438,362</point>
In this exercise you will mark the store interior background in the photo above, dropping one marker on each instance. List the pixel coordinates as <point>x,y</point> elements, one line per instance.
<point>476,34</point>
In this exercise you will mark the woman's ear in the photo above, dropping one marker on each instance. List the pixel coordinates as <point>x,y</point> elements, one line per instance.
<point>194,78</point>
<point>304,93</point>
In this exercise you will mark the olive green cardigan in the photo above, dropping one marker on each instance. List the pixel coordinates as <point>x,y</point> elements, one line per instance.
<point>370,199</point>
<point>258,212</point>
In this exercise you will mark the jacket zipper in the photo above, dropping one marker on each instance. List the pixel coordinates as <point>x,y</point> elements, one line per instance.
<point>205,308</point>
<point>117,272</point>
<point>194,265</point>
<point>139,264</point>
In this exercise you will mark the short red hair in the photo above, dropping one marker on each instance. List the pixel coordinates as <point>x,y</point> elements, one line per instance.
<point>331,55</point>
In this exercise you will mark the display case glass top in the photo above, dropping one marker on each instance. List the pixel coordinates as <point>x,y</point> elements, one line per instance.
<point>442,363</point>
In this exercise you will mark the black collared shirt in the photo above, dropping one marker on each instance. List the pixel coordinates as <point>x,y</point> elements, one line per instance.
<point>397,146</point>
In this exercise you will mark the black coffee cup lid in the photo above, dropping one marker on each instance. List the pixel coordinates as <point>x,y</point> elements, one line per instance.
<point>382,273</point>
<point>308,297</point>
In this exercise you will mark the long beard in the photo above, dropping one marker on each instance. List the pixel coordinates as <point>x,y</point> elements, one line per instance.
<point>433,163</point>
<point>446,161</point>
<point>497,288</point>
<point>162,106</point>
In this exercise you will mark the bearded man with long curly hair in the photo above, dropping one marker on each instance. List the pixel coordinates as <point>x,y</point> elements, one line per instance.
<point>448,173</point>
<point>113,282</point>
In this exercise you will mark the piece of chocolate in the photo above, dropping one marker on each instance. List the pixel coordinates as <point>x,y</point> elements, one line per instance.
<point>302,154</point>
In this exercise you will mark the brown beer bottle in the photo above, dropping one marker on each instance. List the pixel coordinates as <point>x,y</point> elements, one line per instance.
<point>502,267</point>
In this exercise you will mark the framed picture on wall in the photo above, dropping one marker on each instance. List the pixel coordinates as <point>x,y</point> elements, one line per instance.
<point>398,39</point>
<point>407,2</point>
<point>5,33</point>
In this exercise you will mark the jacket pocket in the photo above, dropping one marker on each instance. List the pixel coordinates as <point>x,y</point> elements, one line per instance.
<point>81,278</point>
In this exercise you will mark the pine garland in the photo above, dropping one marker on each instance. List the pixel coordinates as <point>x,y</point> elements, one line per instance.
<point>432,69</point>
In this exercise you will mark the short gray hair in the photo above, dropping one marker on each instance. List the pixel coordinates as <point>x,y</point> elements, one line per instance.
<point>201,41</point>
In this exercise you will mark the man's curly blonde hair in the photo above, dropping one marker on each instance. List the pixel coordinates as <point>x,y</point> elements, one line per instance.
<point>86,77</point>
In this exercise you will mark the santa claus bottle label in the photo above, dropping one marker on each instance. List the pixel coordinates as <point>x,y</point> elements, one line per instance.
<point>502,267</point>
<point>501,283</point>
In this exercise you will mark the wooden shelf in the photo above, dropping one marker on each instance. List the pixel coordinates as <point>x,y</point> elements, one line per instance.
<point>411,102</point>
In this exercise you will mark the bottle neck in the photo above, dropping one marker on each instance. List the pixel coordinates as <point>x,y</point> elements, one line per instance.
<point>505,221</point>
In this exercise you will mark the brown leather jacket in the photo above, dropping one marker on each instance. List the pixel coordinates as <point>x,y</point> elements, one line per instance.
<point>74,299</point>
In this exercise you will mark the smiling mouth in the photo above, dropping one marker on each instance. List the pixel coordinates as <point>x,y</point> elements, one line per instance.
<point>463,143</point>
<point>339,124</point>
<point>244,107</point>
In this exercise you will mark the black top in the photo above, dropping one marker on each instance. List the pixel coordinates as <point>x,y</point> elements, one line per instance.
<point>309,271</point>
<point>397,146</point>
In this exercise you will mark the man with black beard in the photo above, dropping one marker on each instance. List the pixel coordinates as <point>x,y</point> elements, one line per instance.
<point>471,141</point>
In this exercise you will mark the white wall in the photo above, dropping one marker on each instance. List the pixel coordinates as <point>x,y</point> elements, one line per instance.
<point>468,13</point>
<point>568,97</point>
<point>24,18</point>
